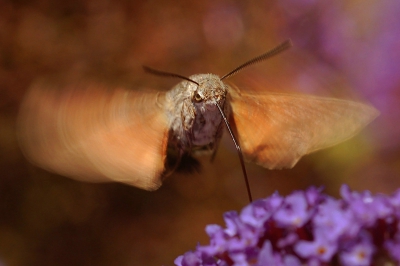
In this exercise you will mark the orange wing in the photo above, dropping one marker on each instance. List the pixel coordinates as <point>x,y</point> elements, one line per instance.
<point>91,133</point>
<point>276,130</point>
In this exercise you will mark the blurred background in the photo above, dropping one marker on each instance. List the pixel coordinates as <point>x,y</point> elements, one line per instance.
<point>344,49</point>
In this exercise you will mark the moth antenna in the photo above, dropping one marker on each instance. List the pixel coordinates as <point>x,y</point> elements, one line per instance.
<point>277,50</point>
<point>239,150</point>
<point>167,74</point>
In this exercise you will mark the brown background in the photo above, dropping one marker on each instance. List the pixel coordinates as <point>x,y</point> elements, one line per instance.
<point>344,49</point>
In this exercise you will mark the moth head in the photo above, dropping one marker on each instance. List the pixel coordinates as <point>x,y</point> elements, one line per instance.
<point>210,90</point>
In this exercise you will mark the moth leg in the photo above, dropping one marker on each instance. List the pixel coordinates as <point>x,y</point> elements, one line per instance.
<point>218,137</point>
<point>188,114</point>
<point>214,153</point>
<point>188,164</point>
<point>174,157</point>
<point>220,130</point>
<point>181,161</point>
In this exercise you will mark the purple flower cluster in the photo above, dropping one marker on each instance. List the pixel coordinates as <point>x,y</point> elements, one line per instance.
<point>306,227</point>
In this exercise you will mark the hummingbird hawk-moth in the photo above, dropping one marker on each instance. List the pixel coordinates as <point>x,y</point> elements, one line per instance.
<point>91,132</point>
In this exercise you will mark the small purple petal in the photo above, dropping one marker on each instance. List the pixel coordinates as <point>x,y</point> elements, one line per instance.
<point>178,260</point>
<point>259,211</point>
<point>334,221</point>
<point>291,260</point>
<point>267,256</point>
<point>382,206</point>
<point>358,255</point>
<point>294,211</point>
<point>345,192</point>
<point>313,195</point>
<point>239,259</point>
<point>289,240</point>
<point>231,220</point>
<point>320,248</point>
<point>188,259</point>
<point>218,242</point>
<point>213,229</point>
<point>395,202</point>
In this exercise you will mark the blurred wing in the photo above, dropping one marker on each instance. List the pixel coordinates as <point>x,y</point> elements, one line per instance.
<point>276,130</point>
<point>91,133</point>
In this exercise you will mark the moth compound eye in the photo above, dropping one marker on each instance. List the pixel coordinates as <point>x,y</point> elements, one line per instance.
<point>197,97</point>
